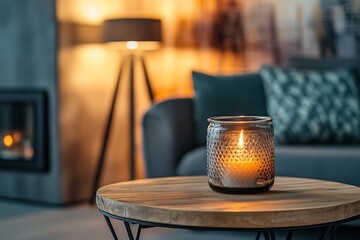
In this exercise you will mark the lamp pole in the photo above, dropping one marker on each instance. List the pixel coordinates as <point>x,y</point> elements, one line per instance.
<point>132,120</point>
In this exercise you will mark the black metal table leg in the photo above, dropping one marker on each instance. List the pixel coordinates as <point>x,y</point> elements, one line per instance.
<point>129,232</point>
<point>107,219</point>
<point>328,233</point>
<point>289,235</point>
<point>138,232</point>
<point>333,232</point>
<point>127,227</point>
<point>268,235</point>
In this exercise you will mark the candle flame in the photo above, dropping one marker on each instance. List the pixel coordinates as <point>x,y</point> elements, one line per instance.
<point>241,139</point>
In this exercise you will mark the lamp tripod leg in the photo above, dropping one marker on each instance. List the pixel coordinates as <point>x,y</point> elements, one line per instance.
<point>131,123</point>
<point>147,79</point>
<point>101,160</point>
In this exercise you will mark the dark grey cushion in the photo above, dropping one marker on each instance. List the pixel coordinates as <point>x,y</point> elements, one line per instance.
<point>226,95</point>
<point>193,163</point>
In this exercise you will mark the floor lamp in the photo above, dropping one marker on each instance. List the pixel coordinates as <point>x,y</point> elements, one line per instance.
<point>130,34</point>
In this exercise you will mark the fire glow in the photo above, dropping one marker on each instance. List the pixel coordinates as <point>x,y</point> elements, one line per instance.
<point>8,140</point>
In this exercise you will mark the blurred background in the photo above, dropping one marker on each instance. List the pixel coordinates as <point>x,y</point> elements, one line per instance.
<point>57,72</point>
<point>212,36</point>
<point>54,51</point>
<point>57,78</point>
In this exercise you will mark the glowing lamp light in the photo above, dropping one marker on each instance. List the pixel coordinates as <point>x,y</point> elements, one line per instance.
<point>8,140</point>
<point>93,13</point>
<point>131,45</point>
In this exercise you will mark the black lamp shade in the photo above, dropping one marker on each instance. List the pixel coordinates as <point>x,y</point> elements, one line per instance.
<point>132,29</point>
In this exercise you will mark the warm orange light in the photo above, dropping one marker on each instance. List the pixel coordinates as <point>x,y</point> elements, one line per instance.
<point>93,13</point>
<point>28,152</point>
<point>241,139</point>
<point>8,140</point>
<point>244,168</point>
<point>134,45</point>
<point>17,137</point>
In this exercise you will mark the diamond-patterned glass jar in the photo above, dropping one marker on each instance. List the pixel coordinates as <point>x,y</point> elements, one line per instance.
<point>240,154</point>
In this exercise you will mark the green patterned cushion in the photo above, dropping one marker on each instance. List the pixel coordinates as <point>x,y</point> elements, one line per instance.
<point>312,106</point>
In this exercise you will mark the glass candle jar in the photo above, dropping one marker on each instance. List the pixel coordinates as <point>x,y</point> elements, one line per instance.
<point>240,154</point>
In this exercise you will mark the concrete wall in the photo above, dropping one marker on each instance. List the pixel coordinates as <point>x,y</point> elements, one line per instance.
<point>28,59</point>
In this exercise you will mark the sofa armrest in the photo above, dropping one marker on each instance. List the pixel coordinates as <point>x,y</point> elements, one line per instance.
<point>168,133</point>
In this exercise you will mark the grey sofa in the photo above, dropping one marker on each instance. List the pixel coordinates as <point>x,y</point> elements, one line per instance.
<point>170,147</point>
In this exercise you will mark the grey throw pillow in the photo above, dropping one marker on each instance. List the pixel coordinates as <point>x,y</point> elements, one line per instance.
<point>312,106</point>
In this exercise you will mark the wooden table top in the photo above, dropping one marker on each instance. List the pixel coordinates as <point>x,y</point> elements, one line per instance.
<point>189,201</point>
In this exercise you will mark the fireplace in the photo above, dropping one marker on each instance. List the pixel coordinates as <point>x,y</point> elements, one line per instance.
<point>23,130</point>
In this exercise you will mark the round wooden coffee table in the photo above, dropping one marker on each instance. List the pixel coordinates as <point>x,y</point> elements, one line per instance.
<point>189,203</point>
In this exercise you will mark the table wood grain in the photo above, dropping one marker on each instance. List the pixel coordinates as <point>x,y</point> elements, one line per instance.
<point>189,201</point>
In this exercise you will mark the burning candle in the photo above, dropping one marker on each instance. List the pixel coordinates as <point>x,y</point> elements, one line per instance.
<point>242,167</point>
<point>240,154</point>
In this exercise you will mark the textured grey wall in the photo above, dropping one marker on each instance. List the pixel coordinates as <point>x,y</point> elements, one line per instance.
<point>28,60</point>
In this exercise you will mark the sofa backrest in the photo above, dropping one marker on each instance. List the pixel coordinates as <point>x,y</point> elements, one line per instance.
<point>326,64</point>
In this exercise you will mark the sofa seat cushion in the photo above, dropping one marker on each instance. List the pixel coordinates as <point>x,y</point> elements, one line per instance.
<point>333,163</point>
<point>226,95</point>
<point>193,163</point>
<point>338,163</point>
<point>312,106</point>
